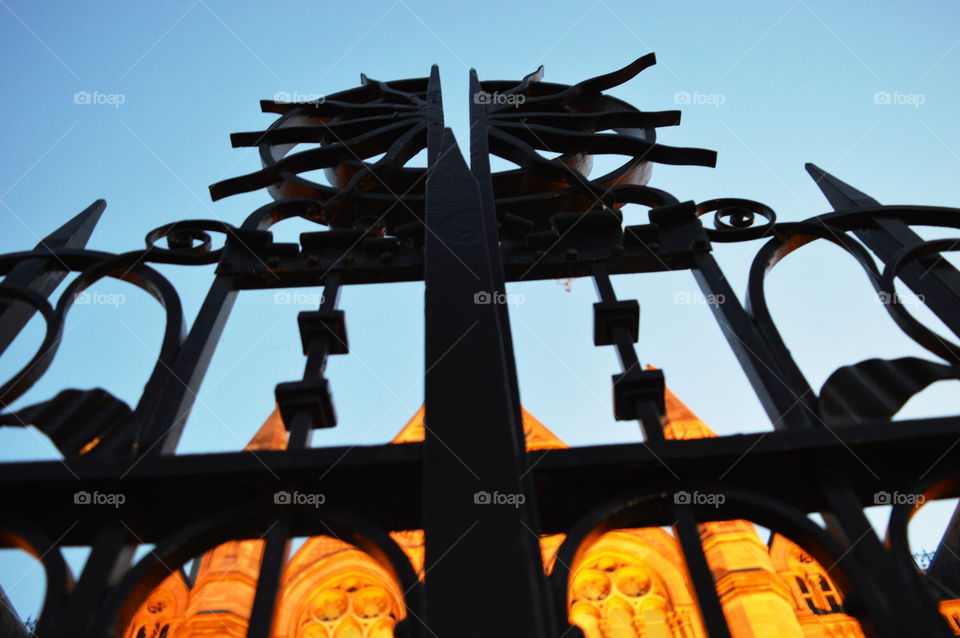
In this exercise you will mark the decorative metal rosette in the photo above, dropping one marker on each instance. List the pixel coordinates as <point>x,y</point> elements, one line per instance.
<point>527,118</point>
<point>340,134</point>
<point>364,137</point>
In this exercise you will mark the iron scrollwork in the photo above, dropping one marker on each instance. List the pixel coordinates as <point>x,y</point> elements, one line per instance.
<point>377,220</point>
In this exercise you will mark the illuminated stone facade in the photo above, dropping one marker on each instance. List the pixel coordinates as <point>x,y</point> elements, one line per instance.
<point>630,583</point>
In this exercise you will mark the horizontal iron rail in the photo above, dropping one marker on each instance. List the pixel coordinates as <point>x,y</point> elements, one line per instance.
<point>872,458</point>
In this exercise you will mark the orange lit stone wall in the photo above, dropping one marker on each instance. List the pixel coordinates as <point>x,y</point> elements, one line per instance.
<point>951,611</point>
<point>630,583</point>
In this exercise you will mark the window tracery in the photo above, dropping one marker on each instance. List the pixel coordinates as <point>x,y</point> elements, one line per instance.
<point>616,596</point>
<point>352,605</point>
<point>812,586</point>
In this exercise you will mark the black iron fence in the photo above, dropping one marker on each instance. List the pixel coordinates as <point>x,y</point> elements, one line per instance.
<point>465,231</point>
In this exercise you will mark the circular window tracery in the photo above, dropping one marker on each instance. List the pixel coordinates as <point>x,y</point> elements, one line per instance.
<point>352,604</point>
<point>614,594</point>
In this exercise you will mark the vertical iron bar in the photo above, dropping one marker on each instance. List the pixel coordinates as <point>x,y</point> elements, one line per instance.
<point>480,167</point>
<point>783,404</point>
<point>276,551</point>
<point>319,349</point>
<point>110,555</point>
<point>164,430</point>
<point>474,449</point>
<point>711,609</point>
<point>647,413</point>
<point>651,421</point>
<point>895,608</point>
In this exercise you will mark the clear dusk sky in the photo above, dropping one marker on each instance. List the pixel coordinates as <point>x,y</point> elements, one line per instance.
<point>868,91</point>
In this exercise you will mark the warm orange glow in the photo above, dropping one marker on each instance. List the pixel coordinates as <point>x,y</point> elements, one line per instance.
<point>630,583</point>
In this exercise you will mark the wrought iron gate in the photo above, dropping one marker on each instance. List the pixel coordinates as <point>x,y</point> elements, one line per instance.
<point>466,231</point>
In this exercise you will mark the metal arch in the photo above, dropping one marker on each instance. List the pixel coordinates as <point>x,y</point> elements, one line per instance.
<point>92,267</point>
<point>651,508</point>
<point>833,228</point>
<point>920,333</point>
<point>23,379</point>
<point>790,238</point>
<point>27,536</point>
<point>220,527</point>
<point>897,537</point>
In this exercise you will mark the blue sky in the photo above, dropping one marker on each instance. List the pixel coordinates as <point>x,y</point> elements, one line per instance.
<point>770,86</point>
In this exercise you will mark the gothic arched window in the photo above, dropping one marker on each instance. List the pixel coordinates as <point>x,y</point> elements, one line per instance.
<point>818,593</point>
<point>806,594</point>
<point>615,595</point>
<point>829,594</point>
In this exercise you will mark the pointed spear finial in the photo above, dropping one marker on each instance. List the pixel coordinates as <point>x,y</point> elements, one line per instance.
<point>41,274</point>
<point>933,279</point>
<point>842,196</point>
<point>76,232</point>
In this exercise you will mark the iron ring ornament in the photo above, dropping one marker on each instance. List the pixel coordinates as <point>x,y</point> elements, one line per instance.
<point>188,241</point>
<point>735,219</point>
<point>373,214</point>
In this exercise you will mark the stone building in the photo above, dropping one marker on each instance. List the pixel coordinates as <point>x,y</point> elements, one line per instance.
<point>630,583</point>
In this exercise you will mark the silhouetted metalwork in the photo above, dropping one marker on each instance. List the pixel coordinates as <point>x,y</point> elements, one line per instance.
<point>466,231</point>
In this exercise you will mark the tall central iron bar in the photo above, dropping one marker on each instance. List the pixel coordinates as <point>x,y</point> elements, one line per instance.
<point>478,508</point>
